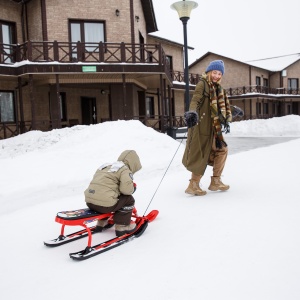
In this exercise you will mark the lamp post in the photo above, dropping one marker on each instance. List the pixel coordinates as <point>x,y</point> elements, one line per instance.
<point>184,9</point>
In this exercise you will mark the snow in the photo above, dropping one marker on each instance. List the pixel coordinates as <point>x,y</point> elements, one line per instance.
<point>240,244</point>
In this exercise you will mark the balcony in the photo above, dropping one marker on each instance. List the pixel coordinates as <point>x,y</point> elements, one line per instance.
<point>64,53</point>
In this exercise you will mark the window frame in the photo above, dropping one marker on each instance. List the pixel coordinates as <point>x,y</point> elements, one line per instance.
<point>290,84</point>
<point>13,113</point>
<point>149,106</point>
<point>258,80</point>
<point>82,23</point>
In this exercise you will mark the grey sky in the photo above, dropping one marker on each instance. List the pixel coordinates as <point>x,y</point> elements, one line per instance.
<point>243,30</point>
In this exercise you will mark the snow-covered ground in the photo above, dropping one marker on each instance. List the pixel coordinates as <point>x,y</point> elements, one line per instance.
<point>237,245</point>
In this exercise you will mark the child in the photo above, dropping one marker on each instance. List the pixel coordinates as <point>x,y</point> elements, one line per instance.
<point>111,190</point>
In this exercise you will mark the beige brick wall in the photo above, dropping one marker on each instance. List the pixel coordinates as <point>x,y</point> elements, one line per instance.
<point>60,12</point>
<point>34,21</point>
<point>11,12</point>
<point>170,49</point>
<point>293,71</point>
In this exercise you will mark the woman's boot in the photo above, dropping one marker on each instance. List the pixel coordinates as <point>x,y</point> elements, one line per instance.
<point>217,185</point>
<point>194,188</point>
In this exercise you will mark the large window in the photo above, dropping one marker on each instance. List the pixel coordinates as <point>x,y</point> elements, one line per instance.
<point>7,107</point>
<point>86,32</point>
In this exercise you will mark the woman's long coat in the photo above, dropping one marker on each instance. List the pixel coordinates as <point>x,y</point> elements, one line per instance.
<point>200,137</point>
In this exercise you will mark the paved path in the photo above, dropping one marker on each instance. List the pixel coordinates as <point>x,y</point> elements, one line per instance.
<point>241,144</point>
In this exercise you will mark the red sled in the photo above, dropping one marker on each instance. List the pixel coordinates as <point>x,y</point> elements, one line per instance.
<point>85,218</point>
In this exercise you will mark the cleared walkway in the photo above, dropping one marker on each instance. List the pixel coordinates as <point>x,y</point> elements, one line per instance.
<point>241,144</point>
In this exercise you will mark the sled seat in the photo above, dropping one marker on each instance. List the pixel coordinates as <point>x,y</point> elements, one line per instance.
<point>79,217</point>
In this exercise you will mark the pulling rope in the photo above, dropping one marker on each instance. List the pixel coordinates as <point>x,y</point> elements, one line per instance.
<point>165,173</point>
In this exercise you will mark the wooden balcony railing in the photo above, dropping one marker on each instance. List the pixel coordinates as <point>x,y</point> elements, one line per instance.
<point>238,91</point>
<point>65,52</point>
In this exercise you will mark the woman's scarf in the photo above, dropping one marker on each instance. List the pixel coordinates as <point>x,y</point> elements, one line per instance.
<point>220,111</point>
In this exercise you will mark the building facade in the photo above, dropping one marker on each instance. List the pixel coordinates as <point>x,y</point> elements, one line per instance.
<point>64,63</point>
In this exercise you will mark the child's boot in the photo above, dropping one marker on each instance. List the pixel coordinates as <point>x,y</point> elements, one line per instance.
<point>123,229</point>
<point>102,224</point>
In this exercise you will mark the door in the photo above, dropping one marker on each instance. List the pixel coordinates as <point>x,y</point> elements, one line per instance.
<point>88,110</point>
<point>7,39</point>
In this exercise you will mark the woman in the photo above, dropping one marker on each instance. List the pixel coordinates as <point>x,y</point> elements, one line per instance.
<point>209,110</point>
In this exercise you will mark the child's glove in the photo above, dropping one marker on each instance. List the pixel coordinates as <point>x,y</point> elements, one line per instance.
<point>134,187</point>
<point>191,118</point>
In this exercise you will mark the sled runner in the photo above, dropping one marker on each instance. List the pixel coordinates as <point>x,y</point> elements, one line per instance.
<point>84,217</point>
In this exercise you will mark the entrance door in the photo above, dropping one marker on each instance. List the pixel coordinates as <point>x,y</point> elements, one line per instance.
<point>88,110</point>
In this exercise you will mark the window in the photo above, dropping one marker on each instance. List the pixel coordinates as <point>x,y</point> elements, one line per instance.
<point>274,109</point>
<point>266,108</point>
<point>258,108</point>
<point>7,31</point>
<point>167,107</point>
<point>62,106</point>
<point>86,32</point>
<point>293,84</point>
<point>7,107</point>
<point>150,106</point>
<point>169,60</point>
<point>266,82</point>
<point>257,80</point>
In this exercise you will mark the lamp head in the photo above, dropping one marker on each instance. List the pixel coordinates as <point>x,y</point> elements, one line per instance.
<point>184,8</point>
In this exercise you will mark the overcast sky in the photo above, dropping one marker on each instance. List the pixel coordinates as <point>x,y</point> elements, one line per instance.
<point>242,30</point>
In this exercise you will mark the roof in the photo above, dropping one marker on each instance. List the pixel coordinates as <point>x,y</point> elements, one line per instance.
<point>149,14</point>
<point>169,41</point>
<point>209,53</point>
<point>275,64</point>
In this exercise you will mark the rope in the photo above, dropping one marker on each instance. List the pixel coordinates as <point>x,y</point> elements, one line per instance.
<point>164,174</point>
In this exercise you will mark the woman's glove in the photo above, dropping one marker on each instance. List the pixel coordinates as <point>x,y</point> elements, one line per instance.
<point>236,112</point>
<point>225,122</point>
<point>191,118</point>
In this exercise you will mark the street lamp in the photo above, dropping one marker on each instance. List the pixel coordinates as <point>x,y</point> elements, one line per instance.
<point>184,9</point>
